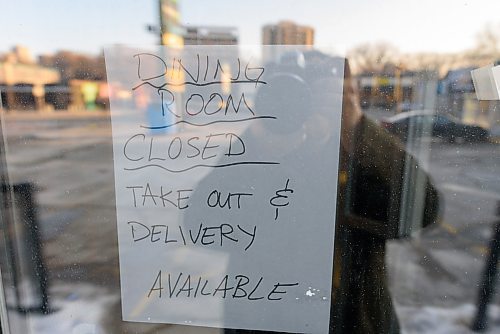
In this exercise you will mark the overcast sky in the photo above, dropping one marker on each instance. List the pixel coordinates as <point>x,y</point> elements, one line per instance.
<point>88,25</point>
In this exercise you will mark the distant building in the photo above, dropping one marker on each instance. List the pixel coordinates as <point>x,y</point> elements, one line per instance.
<point>456,96</point>
<point>456,92</point>
<point>398,90</point>
<point>22,55</point>
<point>65,80</point>
<point>210,35</point>
<point>23,82</point>
<point>81,84</point>
<point>73,65</point>
<point>285,33</point>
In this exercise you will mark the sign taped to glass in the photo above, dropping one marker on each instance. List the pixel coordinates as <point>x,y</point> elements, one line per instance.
<point>217,183</point>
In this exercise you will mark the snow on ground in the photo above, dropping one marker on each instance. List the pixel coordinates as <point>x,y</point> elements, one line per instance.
<point>438,320</point>
<point>77,309</point>
<point>80,308</point>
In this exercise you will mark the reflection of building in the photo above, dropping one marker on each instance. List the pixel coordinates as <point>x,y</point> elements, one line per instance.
<point>205,35</point>
<point>80,74</point>
<point>72,65</point>
<point>22,81</point>
<point>399,90</point>
<point>456,96</point>
<point>456,91</point>
<point>65,80</point>
<point>285,33</point>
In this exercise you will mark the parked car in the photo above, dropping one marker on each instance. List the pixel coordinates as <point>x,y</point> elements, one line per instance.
<point>422,123</point>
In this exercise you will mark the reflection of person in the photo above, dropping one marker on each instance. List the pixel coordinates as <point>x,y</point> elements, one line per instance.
<point>371,172</point>
<point>370,177</point>
<point>295,145</point>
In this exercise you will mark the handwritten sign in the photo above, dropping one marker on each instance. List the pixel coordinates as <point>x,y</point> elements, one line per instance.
<point>225,176</point>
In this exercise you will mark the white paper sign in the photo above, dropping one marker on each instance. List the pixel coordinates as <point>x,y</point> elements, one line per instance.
<point>226,182</point>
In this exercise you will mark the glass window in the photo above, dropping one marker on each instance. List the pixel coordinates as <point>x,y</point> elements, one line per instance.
<point>175,166</point>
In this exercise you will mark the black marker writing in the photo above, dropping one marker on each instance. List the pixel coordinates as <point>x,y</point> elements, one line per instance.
<point>281,200</point>
<point>159,196</point>
<point>191,69</point>
<point>235,287</point>
<point>203,235</point>
<point>217,199</point>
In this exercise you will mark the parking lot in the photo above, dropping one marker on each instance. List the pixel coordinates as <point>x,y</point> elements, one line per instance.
<point>69,160</point>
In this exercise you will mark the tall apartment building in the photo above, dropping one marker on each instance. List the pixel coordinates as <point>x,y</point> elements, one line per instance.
<point>285,33</point>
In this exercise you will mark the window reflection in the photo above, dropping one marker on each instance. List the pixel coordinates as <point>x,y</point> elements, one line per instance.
<point>418,183</point>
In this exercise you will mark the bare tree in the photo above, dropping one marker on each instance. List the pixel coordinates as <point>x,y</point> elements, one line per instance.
<point>373,57</point>
<point>488,40</point>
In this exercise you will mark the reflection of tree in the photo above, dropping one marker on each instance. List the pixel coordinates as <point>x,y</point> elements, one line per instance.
<point>372,57</point>
<point>488,40</point>
<point>382,56</point>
